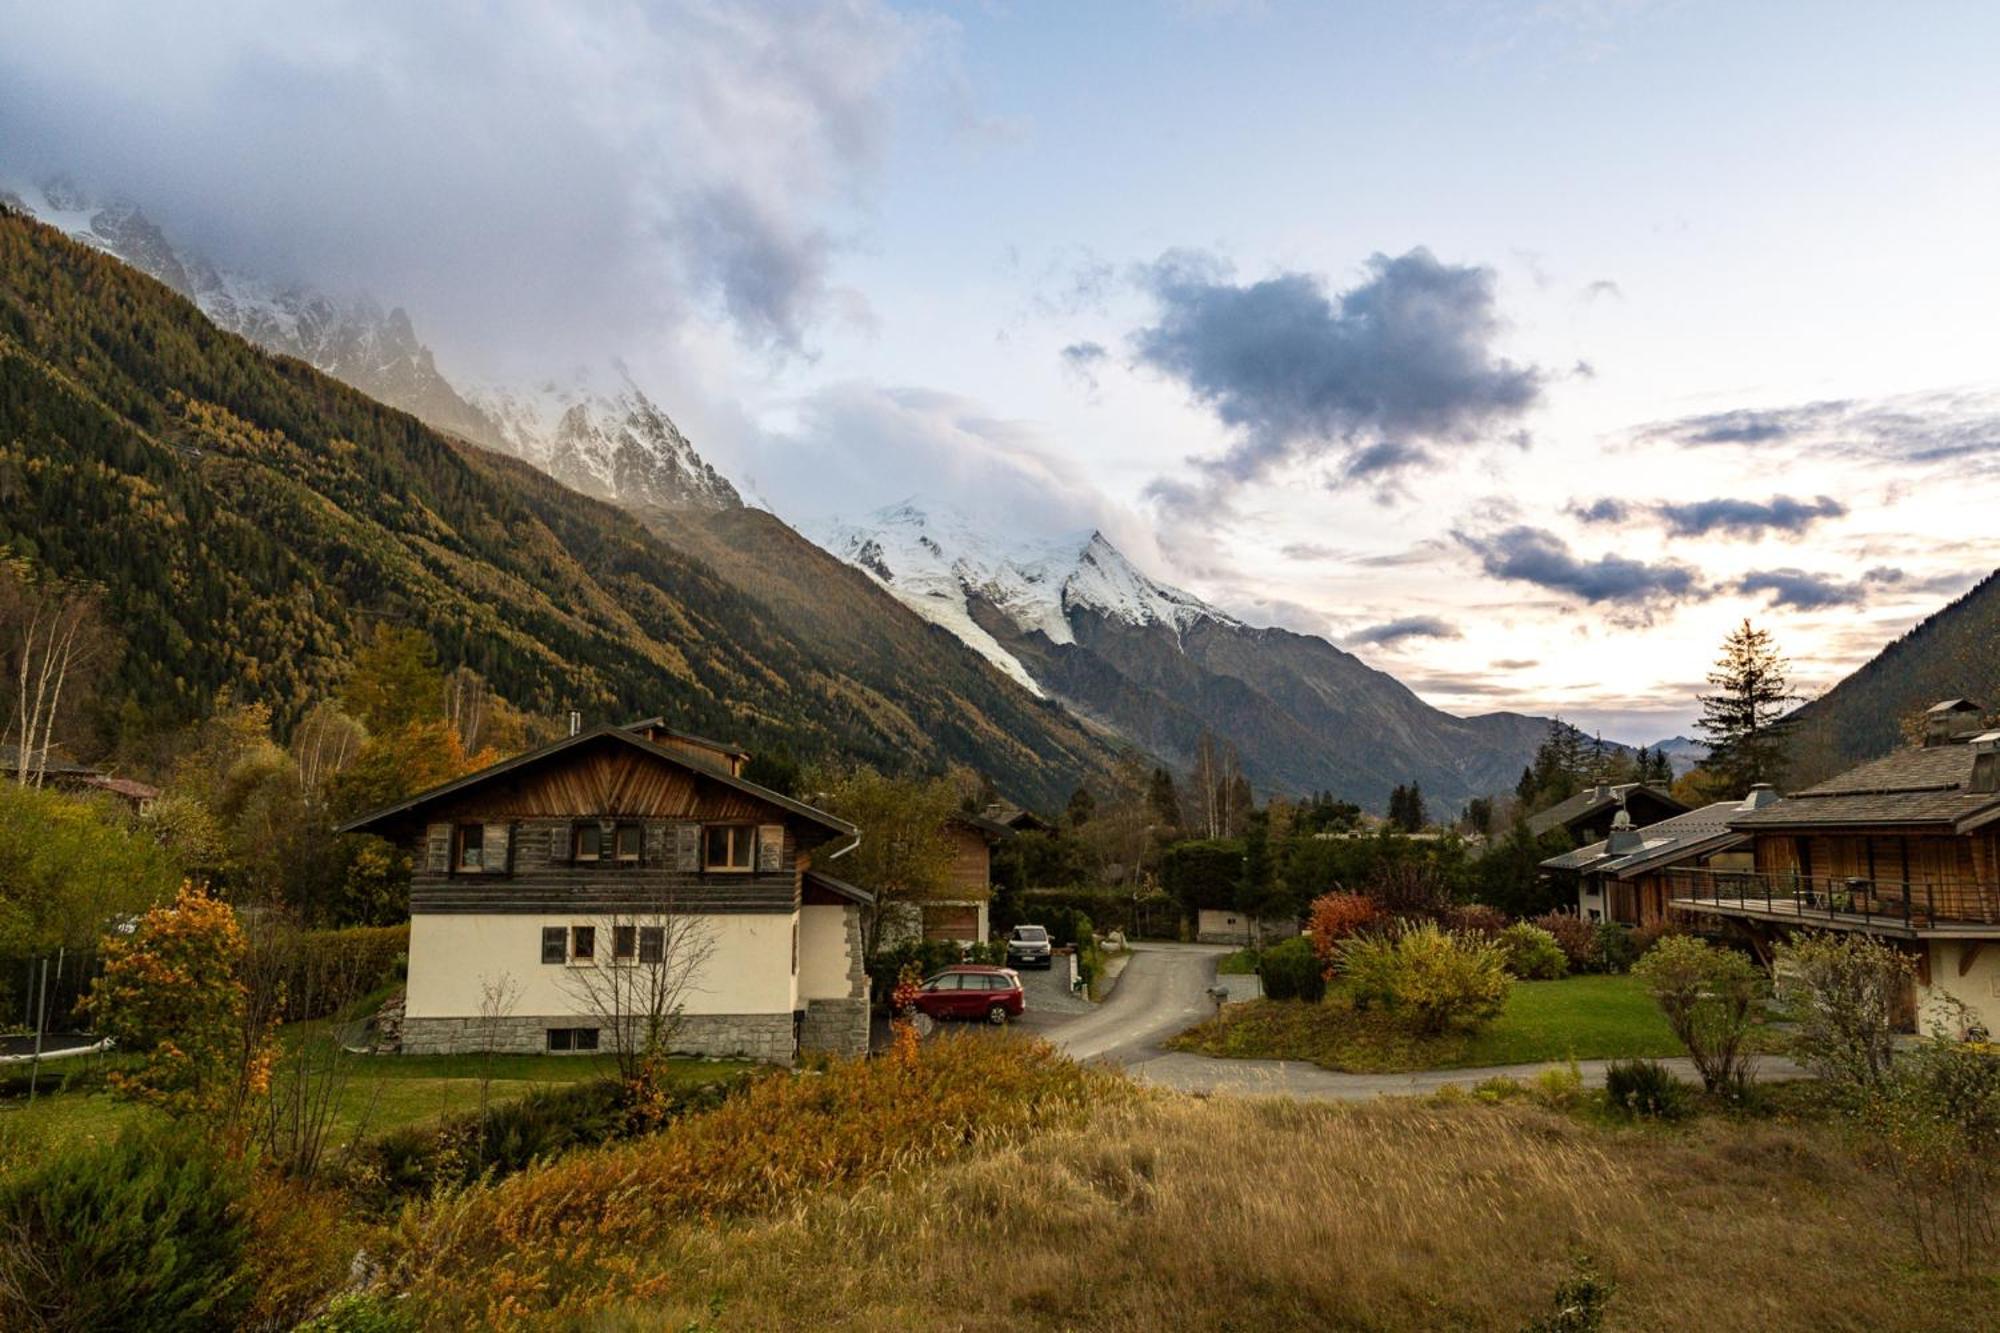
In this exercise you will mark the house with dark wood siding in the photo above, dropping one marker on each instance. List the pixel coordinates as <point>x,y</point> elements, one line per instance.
<point>540,876</point>
<point>1623,878</point>
<point>1905,847</point>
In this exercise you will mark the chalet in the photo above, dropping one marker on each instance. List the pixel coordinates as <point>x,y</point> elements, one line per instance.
<point>1906,848</point>
<point>962,914</point>
<point>1016,818</point>
<point>1623,878</point>
<point>1588,814</point>
<point>55,769</point>
<point>549,874</point>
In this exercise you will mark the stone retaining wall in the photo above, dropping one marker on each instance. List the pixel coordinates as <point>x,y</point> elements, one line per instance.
<point>763,1037</point>
<point>837,1027</point>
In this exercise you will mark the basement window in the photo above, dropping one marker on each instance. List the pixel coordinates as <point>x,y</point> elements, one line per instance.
<point>564,1040</point>
<point>729,847</point>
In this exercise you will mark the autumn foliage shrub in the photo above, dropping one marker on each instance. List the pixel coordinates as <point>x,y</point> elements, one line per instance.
<point>573,1236</point>
<point>1532,953</point>
<point>1435,978</point>
<point>1474,919</point>
<point>322,969</point>
<point>1335,916</point>
<point>1576,937</point>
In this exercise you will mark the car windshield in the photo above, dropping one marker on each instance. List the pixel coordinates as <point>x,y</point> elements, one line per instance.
<point>1034,933</point>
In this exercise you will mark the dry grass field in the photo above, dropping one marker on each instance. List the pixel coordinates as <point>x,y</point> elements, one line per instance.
<point>1174,1212</point>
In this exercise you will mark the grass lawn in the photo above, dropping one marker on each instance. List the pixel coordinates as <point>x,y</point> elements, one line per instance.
<point>1242,963</point>
<point>1588,1017</point>
<point>381,1092</point>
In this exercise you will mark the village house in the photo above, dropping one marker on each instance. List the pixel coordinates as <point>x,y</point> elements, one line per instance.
<point>1905,848</point>
<point>962,913</point>
<point>1587,816</point>
<point>54,768</point>
<point>1623,878</point>
<point>558,874</point>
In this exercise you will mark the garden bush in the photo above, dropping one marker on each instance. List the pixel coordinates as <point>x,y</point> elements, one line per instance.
<point>1576,936</point>
<point>1709,995</point>
<point>1067,926</point>
<point>1646,1089</point>
<point>1474,919</point>
<point>1335,916</point>
<point>1532,953</point>
<point>323,970</point>
<point>1292,971</point>
<point>1843,990</point>
<point>1436,978</point>
<point>144,1232</point>
<point>929,956</point>
<point>1613,949</point>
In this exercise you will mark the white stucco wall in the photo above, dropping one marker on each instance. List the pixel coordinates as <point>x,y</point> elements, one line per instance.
<point>748,968</point>
<point>824,958</point>
<point>1978,989</point>
<point>1589,902</point>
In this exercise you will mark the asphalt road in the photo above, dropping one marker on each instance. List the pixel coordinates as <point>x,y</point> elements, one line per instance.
<point>1163,990</point>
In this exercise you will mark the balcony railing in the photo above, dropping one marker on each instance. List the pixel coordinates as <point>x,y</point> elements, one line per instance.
<point>1841,899</point>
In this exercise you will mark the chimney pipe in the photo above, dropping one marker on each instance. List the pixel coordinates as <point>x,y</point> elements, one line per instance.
<point>1985,764</point>
<point>1623,838</point>
<point>575,721</point>
<point>1760,795</point>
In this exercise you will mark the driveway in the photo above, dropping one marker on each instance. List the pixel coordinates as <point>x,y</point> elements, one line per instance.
<point>1165,991</point>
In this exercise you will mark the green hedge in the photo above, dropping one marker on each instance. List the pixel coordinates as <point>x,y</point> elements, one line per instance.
<point>322,970</point>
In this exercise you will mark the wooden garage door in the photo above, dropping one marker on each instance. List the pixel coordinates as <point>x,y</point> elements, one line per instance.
<point>951,923</point>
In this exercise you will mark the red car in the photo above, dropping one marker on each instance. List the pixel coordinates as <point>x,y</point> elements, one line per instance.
<point>973,991</point>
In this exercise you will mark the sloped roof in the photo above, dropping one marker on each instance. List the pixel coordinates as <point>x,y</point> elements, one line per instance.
<point>1705,830</point>
<point>992,828</point>
<point>821,880</point>
<point>1925,785</point>
<point>605,731</point>
<point>1587,802</point>
<point>660,725</point>
<point>56,763</point>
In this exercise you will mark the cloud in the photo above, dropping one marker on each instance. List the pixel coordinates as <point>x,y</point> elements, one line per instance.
<point>1804,591</point>
<point>534,181</point>
<point>1603,287</point>
<point>1749,519</point>
<point>1515,663</point>
<point>1082,359</point>
<point>1370,375</point>
<point>1535,555</point>
<point>1956,428</point>
<point>1408,627</point>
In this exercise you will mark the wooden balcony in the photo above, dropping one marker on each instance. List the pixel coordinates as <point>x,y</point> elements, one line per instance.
<point>1896,907</point>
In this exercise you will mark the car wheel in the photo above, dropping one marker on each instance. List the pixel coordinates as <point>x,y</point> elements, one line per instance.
<point>997,1015</point>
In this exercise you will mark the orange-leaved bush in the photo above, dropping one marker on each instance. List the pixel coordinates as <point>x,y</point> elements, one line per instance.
<point>1335,916</point>
<point>586,1231</point>
<point>173,992</point>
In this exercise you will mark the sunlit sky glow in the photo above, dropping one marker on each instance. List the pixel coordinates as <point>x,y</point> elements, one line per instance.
<point>1348,318</point>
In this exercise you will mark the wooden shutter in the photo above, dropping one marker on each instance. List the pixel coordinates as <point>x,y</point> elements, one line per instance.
<point>687,847</point>
<point>499,842</point>
<point>562,838</point>
<point>770,846</point>
<point>437,849</point>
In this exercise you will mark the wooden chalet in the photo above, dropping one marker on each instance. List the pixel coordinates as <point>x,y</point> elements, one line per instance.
<point>1588,815</point>
<point>1624,878</point>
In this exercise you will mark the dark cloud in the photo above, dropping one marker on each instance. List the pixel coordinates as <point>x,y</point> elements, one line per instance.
<point>1370,375</point>
<point>1961,429</point>
<point>1806,591</point>
<point>538,184</point>
<point>1535,555</point>
<point>1407,627</point>
<point>1515,663</point>
<point>1308,551</point>
<point>1750,519</point>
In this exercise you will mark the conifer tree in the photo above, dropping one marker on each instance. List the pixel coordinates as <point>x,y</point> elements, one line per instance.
<point>1744,720</point>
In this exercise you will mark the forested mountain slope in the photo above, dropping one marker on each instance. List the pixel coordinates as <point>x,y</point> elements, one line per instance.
<point>247,516</point>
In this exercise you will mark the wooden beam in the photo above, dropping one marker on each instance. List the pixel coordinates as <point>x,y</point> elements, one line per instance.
<point>1968,953</point>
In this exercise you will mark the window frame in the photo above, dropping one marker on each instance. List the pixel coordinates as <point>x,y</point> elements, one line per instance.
<point>624,943</point>
<point>571,1041</point>
<point>618,835</point>
<point>595,833</point>
<point>743,835</point>
<point>558,936</point>
<point>468,838</point>
<point>583,946</point>
<point>653,941</point>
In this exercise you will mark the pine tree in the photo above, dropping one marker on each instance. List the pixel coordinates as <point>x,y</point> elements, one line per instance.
<point>1164,799</point>
<point>1744,720</point>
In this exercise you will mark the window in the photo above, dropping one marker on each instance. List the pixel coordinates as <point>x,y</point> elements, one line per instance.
<point>624,942</point>
<point>555,940</point>
<point>628,842</point>
<point>652,944</point>
<point>729,847</point>
<point>589,842</point>
<point>949,981</point>
<point>582,944</point>
<point>471,847</point>
<point>572,1039</point>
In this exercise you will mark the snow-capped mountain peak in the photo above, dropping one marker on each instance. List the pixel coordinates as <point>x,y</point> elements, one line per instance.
<point>943,566</point>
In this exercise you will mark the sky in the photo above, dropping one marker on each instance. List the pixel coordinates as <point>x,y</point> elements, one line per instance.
<point>1522,350</point>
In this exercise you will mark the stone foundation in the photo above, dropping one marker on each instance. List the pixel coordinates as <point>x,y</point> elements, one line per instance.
<point>762,1037</point>
<point>837,1027</point>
